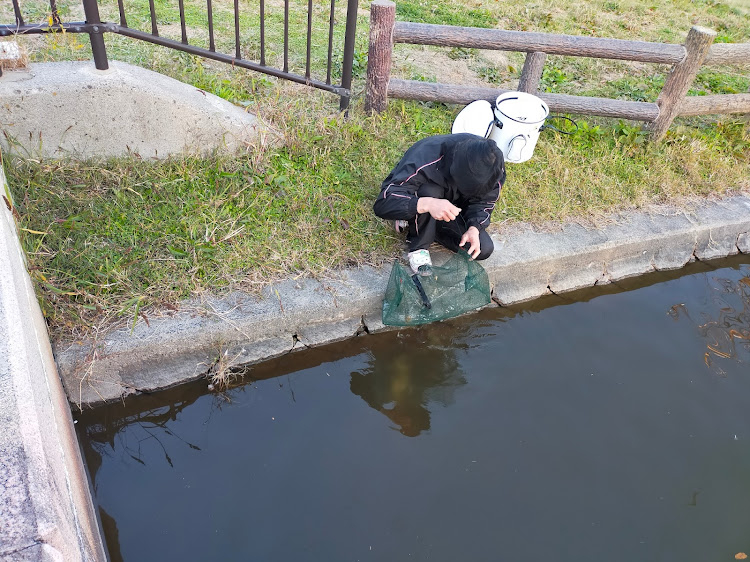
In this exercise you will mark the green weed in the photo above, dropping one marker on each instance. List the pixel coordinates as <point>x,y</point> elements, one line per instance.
<point>491,73</point>
<point>709,81</point>
<point>462,53</point>
<point>553,78</point>
<point>635,89</point>
<point>427,11</point>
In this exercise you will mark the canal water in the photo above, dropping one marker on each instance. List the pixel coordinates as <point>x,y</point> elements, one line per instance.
<point>610,424</point>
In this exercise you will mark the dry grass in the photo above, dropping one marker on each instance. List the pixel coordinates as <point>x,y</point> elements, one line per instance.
<point>115,241</point>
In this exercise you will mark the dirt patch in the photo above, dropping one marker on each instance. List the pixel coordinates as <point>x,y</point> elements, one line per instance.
<point>420,62</point>
<point>498,58</point>
<point>605,70</point>
<point>174,31</point>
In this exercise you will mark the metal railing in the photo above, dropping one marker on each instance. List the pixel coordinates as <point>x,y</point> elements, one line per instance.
<point>96,29</point>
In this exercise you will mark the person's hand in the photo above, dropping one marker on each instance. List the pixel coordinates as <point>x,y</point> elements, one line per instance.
<point>439,209</point>
<point>471,237</point>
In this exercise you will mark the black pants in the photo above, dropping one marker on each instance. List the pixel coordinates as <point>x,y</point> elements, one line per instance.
<point>424,230</point>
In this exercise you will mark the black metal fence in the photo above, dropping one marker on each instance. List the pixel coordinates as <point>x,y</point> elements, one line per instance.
<point>96,29</point>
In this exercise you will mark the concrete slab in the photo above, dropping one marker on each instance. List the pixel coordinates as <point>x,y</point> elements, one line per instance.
<point>743,242</point>
<point>725,218</point>
<point>62,109</point>
<point>182,346</point>
<point>46,511</point>
<point>526,264</point>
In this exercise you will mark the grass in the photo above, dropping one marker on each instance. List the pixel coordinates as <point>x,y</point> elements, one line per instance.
<point>109,241</point>
<point>445,13</point>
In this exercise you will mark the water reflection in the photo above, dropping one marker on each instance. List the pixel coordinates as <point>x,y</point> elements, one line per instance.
<point>109,526</point>
<point>647,460</point>
<point>147,419</point>
<point>402,382</point>
<point>727,334</point>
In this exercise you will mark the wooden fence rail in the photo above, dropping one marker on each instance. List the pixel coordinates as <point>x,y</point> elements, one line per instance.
<point>685,59</point>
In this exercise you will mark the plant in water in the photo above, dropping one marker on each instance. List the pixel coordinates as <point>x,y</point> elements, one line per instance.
<point>221,375</point>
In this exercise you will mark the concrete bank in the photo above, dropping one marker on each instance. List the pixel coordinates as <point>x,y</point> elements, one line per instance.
<point>46,511</point>
<point>239,329</point>
<point>60,109</point>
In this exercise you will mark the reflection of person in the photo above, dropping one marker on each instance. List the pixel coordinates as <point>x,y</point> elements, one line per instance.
<point>444,190</point>
<point>402,380</point>
<point>393,395</point>
<point>408,413</point>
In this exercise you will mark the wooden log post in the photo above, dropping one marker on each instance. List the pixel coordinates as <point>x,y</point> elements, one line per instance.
<point>531,74</point>
<point>462,95</point>
<point>529,42</point>
<point>380,51</point>
<point>718,104</point>
<point>678,82</point>
<point>728,53</point>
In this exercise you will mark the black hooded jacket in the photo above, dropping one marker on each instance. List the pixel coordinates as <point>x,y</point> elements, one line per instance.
<point>429,161</point>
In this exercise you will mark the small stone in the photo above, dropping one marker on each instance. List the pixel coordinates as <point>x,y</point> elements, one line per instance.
<point>11,56</point>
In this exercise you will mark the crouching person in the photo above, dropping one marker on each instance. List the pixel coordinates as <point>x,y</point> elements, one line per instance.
<point>444,190</point>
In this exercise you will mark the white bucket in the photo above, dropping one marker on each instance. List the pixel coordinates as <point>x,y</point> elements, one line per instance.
<point>518,119</point>
<point>476,118</point>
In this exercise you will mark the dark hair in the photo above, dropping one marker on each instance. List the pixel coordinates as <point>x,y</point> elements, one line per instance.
<point>476,165</point>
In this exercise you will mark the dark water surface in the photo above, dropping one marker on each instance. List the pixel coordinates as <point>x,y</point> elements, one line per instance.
<point>612,424</point>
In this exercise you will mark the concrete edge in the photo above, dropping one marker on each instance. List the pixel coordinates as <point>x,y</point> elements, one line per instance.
<point>153,115</point>
<point>240,330</point>
<point>46,508</point>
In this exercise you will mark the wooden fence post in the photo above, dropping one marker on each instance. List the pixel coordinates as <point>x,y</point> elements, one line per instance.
<point>678,82</point>
<point>531,74</point>
<point>380,51</point>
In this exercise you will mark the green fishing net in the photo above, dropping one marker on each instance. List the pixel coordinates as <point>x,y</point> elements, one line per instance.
<point>457,287</point>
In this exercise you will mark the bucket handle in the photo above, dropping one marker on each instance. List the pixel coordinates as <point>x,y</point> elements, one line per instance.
<point>499,124</point>
<point>488,132</point>
<point>520,150</point>
<point>543,127</point>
